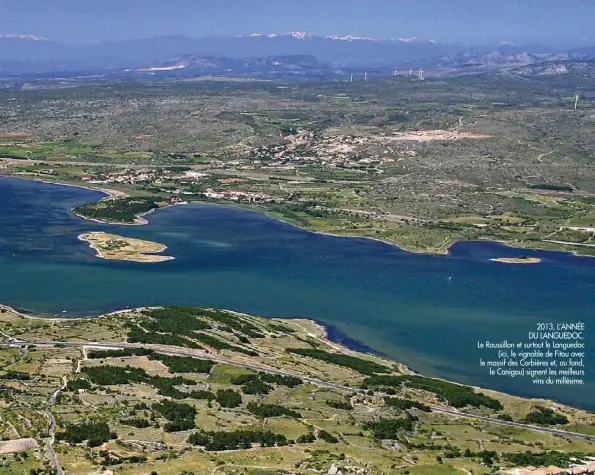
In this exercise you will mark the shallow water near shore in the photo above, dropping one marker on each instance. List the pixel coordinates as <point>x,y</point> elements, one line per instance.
<point>424,310</point>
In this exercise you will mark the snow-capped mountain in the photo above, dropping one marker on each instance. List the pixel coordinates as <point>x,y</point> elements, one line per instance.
<point>32,53</point>
<point>29,48</point>
<point>340,50</point>
<point>298,35</point>
<point>302,35</point>
<point>414,40</point>
<point>22,37</point>
<point>350,38</point>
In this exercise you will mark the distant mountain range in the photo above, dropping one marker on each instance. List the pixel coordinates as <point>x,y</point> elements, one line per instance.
<point>336,50</point>
<point>28,54</point>
<point>289,65</point>
<point>474,63</point>
<point>577,70</point>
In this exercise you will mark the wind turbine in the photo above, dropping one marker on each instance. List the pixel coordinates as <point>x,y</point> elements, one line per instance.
<point>351,79</point>
<point>576,102</point>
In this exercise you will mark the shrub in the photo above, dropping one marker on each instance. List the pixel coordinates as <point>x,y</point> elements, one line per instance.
<point>358,364</point>
<point>327,437</point>
<point>545,416</point>
<point>271,410</point>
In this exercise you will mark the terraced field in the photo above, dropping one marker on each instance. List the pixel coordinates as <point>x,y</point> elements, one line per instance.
<point>192,390</point>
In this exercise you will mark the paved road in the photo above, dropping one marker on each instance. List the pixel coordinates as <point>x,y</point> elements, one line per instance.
<point>317,382</point>
<point>548,430</point>
<point>180,352</point>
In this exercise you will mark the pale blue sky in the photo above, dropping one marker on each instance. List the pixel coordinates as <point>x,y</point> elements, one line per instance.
<point>87,21</point>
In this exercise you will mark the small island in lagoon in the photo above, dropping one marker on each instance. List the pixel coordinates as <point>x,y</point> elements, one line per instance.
<point>112,246</point>
<point>517,260</point>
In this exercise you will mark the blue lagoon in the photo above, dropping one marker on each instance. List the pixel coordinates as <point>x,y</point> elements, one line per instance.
<point>428,311</point>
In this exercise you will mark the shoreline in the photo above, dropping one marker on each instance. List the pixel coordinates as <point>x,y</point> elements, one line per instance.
<point>112,194</point>
<point>535,249</point>
<point>140,217</point>
<point>325,330</point>
<point>446,252</point>
<point>326,336</point>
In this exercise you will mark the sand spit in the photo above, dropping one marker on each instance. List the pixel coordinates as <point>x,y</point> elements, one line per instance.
<point>517,260</point>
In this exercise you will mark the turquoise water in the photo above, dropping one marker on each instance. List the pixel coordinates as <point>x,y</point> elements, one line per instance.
<point>427,311</point>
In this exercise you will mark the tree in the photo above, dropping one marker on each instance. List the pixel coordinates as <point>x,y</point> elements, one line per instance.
<point>228,398</point>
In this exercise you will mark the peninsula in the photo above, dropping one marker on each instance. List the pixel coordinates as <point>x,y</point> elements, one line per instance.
<point>114,247</point>
<point>195,390</point>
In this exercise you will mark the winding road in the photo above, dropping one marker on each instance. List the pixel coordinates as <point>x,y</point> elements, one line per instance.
<point>52,431</point>
<point>189,354</point>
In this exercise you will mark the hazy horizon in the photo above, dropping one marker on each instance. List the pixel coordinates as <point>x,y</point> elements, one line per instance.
<point>456,21</point>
